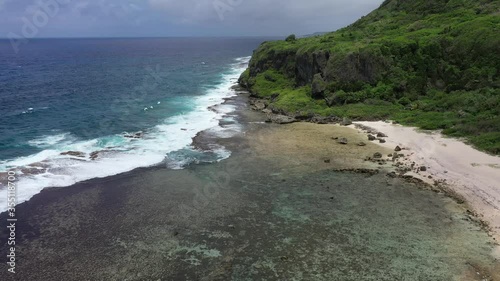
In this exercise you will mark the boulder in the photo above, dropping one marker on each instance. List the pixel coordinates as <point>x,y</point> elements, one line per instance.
<point>377,155</point>
<point>382,140</point>
<point>346,122</point>
<point>281,119</point>
<point>260,105</point>
<point>342,141</point>
<point>318,86</point>
<point>371,138</point>
<point>398,148</point>
<point>94,155</point>
<point>381,135</point>
<point>137,135</point>
<point>423,169</point>
<point>361,144</point>
<point>304,116</point>
<point>74,154</point>
<point>324,120</point>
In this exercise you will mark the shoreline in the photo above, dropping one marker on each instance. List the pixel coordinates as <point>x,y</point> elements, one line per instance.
<point>464,173</point>
<point>286,190</point>
<point>451,165</point>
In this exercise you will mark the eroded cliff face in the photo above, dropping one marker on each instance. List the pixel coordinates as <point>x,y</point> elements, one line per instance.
<point>303,67</point>
<point>264,59</point>
<point>309,64</point>
<point>427,63</point>
<point>408,47</point>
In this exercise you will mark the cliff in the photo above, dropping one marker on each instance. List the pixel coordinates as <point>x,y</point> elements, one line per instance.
<point>429,63</point>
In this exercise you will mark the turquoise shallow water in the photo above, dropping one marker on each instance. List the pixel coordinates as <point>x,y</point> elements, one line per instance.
<point>250,218</point>
<point>86,95</point>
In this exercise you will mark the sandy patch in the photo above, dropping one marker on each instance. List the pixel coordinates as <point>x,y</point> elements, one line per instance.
<point>470,173</point>
<point>315,147</point>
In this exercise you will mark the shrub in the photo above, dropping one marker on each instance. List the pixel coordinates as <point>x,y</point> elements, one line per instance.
<point>291,38</point>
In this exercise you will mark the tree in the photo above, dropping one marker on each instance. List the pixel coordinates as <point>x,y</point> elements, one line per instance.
<point>291,38</point>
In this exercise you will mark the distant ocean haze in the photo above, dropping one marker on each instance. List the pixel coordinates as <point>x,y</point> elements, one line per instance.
<point>94,95</point>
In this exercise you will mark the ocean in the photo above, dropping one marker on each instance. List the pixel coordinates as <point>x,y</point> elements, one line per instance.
<point>76,109</point>
<point>106,116</point>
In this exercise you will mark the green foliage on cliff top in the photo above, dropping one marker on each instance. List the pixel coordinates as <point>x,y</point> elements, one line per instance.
<point>429,63</point>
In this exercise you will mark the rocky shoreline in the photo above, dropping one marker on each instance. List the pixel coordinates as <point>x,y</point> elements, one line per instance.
<point>291,201</point>
<point>398,164</point>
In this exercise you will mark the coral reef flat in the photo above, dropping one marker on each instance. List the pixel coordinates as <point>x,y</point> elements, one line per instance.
<point>259,215</point>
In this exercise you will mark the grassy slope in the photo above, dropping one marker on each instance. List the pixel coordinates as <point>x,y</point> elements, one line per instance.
<point>428,63</point>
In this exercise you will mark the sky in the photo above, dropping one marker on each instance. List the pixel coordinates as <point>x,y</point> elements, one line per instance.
<point>159,18</point>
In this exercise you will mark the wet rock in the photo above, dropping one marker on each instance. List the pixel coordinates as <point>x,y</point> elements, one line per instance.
<point>342,141</point>
<point>382,140</point>
<point>377,155</point>
<point>371,138</point>
<point>397,148</point>
<point>94,155</point>
<point>327,161</point>
<point>381,135</point>
<point>74,154</point>
<point>137,135</point>
<point>423,168</point>
<point>361,144</point>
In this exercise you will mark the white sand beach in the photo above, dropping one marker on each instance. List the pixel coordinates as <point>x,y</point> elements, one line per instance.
<point>472,174</point>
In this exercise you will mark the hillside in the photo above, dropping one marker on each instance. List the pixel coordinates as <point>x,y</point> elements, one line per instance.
<point>429,63</point>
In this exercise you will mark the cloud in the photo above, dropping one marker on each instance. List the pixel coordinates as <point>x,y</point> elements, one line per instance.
<point>186,11</point>
<point>280,16</point>
<point>187,17</point>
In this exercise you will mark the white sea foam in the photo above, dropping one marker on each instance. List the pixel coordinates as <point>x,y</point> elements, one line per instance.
<point>51,140</point>
<point>118,154</point>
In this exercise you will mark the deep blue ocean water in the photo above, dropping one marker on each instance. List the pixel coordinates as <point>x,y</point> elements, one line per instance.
<point>86,95</point>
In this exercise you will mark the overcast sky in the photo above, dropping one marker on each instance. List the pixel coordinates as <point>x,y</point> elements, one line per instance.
<point>131,18</point>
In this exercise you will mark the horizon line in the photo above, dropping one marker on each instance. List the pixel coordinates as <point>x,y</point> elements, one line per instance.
<point>145,37</point>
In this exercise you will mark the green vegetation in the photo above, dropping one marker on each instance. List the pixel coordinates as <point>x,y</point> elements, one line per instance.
<point>291,38</point>
<point>427,63</point>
